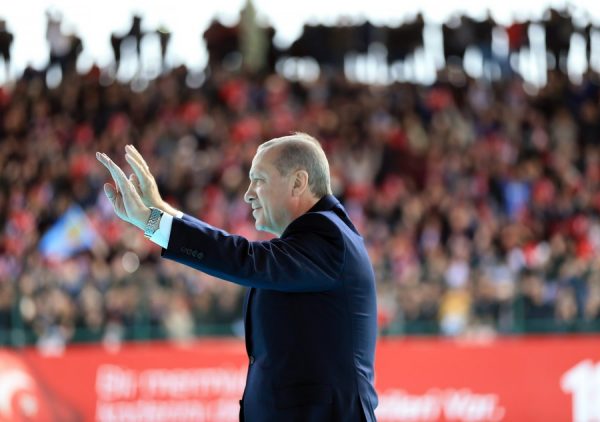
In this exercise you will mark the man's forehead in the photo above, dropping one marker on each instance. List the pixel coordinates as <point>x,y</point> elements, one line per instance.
<point>261,162</point>
<point>254,171</point>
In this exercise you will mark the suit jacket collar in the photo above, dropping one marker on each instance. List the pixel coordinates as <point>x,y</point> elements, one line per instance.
<point>325,204</point>
<point>331,203</point>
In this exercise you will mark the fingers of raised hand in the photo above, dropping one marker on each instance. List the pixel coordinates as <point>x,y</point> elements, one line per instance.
<point>135,182</point>
<point>139,168</point>
<point>115,171</point>
<point>103,158</point>
<point>136,157</point>
<point>135,166</point>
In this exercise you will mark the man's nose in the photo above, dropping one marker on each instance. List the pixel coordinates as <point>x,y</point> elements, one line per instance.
<point>249,196</point>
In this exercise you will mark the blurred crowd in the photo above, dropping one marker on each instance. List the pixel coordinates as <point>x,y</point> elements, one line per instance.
<point>478,200</point>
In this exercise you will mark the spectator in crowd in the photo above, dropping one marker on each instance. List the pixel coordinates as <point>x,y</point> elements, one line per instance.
<point>6,40</point>
<point>64,47</point>
<point>164,38</point>
<point>221,41</point>
<point>589,30</point>
<point>404,40</point>
<point>558,28</point>
<point>131,42</point>
<point>518,38</point>
<point>458,34</point>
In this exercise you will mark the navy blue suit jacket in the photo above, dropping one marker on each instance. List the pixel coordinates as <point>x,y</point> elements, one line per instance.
<point>310,313</point>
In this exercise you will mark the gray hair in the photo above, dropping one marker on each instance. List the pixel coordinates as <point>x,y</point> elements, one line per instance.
<point>302,151</point>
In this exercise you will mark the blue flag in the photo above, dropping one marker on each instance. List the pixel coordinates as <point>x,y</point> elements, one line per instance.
<point>72,233</point>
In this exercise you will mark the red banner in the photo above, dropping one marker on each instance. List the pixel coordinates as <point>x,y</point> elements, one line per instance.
<point>542,379</point>
<point>509,379</point>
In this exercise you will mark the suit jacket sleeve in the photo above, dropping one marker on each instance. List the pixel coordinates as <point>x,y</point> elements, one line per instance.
<point>309,257</point>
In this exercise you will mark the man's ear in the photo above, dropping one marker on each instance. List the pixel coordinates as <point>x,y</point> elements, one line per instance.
<point>300,182</point>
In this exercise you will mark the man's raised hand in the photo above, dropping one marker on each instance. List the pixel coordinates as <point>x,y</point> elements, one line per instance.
<point>142,179</point>
<point>126,201</point>
<point>144,182</point>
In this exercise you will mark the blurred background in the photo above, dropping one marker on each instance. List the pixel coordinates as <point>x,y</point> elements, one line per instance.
<point>464,142</point>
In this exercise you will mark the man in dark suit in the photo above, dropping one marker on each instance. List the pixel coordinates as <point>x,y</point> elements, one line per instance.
<point>310,312</point>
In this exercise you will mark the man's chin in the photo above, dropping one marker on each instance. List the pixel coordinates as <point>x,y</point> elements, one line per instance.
<point>262,228</point>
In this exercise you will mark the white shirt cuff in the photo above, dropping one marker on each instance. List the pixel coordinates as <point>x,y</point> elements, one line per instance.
<point>163,233</point>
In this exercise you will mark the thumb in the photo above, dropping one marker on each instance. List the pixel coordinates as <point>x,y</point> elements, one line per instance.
<point>110,192</point>
<point>135,182</point>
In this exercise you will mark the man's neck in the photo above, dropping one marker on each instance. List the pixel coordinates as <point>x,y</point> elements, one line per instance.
<point>303,205</point>
<point>306,204</point>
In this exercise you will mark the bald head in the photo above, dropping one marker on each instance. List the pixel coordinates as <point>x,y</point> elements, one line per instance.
<point>301,152</point>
